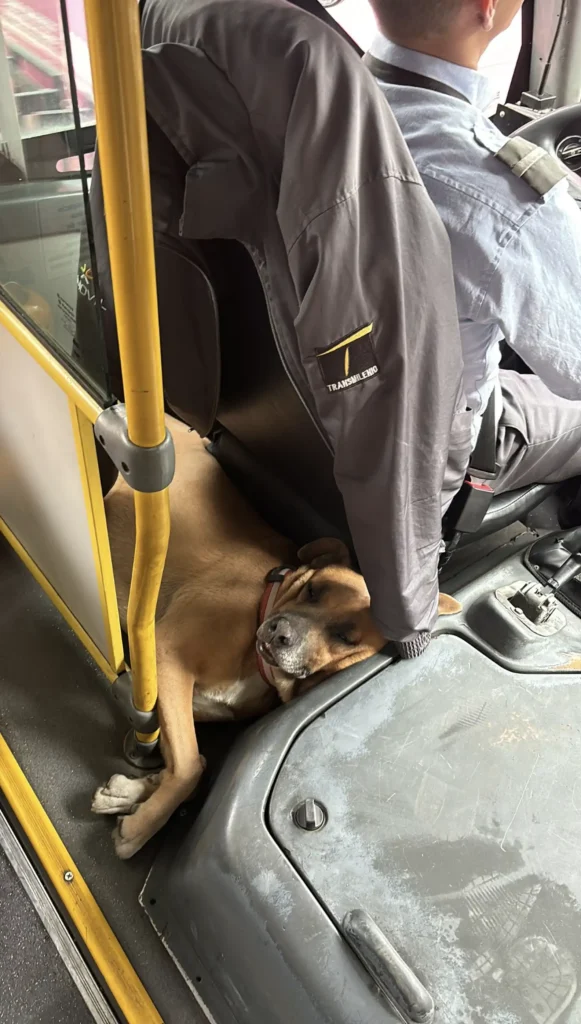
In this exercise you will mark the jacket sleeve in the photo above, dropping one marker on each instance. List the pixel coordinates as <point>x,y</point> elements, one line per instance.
<point>375,268</point>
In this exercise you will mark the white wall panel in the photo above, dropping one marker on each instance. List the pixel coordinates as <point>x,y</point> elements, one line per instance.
<point>41,490</point>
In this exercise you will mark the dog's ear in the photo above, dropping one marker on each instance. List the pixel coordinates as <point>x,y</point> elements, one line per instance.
<point>326,551</point>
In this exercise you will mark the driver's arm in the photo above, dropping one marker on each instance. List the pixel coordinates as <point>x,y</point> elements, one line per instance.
<point>376,267</point>
<point>534,292</point>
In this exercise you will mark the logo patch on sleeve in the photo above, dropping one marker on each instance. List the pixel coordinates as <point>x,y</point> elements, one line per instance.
<point>349,361</point>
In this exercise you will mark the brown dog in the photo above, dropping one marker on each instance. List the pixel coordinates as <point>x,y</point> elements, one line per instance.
<point>312,621</point>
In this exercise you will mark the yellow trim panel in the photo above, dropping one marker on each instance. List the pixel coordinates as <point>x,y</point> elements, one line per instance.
<point>347,341</point>
<point>92,493</point>
<point>76,897</point>
<point>58,602</point>
<point>49,364</point>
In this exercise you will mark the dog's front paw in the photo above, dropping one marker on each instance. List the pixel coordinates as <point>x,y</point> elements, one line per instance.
<point>142,821</point>
<point>120,795</point>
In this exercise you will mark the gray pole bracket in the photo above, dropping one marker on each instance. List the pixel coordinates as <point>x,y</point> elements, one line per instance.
<point>145,469</point>
<point>142,721</point>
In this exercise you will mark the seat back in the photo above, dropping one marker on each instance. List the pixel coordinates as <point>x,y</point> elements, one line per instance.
<point>265,427</point>
<point>228,381</point>
<point>222,371</point>
<point>223,374</point>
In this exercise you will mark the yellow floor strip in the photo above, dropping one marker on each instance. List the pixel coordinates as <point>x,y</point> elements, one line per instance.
<point>103,947</point>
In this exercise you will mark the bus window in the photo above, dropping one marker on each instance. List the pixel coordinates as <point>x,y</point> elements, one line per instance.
<point>36,56</point>
<point>47,141</point>
<point>356,17</point>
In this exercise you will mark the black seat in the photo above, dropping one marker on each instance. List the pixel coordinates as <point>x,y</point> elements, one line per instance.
<point>263,435</point>
<point>224,376</point>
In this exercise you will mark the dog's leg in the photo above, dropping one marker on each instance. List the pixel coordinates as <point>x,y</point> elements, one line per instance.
<point>184,765</point>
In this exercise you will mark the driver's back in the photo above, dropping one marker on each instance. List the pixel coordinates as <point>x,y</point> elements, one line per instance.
<point>509,236</point>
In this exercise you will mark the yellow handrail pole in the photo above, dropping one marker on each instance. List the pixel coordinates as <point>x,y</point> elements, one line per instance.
<point>113,35</point>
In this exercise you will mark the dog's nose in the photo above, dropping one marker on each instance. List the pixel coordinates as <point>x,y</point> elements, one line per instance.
<point>281,632</point>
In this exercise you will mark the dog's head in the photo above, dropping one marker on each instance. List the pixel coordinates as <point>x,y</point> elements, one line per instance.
<point>321,621</point>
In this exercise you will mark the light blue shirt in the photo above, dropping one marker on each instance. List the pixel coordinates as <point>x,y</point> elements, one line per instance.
<point>516,255</point>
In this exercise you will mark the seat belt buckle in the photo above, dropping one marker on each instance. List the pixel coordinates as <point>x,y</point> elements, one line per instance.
<point>471,505</point>
<point>483,474</point>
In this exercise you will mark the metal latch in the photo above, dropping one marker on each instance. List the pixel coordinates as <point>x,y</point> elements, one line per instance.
<point>387,968</point>
<point>145,469</point>
<point>533,606</point>
<point>535,602</point>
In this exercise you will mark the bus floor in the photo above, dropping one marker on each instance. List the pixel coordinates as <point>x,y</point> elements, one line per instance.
<point>36,987</point>
<point>67,737</point>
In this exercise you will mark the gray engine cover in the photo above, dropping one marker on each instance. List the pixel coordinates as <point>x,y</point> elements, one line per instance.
<point>452,789</point>
<point>453,797</point>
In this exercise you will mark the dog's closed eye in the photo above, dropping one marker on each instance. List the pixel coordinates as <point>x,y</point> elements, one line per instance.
<point>345,635</point>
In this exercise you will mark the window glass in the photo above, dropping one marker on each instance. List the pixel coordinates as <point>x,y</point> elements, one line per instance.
<point>47,141</point>
<point>357,18</point>
<point>36,54</point>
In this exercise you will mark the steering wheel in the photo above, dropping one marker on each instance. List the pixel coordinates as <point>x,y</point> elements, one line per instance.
<point>560,134</point>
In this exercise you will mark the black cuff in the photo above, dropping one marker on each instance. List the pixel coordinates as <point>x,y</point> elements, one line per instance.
<point>413,648</point>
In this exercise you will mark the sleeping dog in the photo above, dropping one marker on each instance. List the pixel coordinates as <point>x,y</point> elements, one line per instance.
<point>239,625</point>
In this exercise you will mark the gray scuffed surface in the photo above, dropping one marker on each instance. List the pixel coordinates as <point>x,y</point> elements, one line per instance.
<point>453,789</point>
<point>278,895</point>
<point>490,627</point>
<point>448,780</point>
<point>67,736</point>
<point>34,984</point>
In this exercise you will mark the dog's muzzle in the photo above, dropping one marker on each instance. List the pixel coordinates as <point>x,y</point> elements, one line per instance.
<point>282,643</point>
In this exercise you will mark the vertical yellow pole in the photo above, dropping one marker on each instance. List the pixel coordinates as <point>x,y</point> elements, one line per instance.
<point>115,49</point>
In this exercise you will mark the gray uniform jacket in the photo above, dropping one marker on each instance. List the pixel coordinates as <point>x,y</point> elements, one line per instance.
<point>293,151</point>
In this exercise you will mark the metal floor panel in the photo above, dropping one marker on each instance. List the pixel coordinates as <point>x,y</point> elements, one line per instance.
<point>490,713</point>
<point>67,736</point>
<point>451,789</point>
<point>35,985</point>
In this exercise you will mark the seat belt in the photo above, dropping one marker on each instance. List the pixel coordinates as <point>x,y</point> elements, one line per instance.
<point>393,75</point>
<point>483,459</point>
<point>470,506</point>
